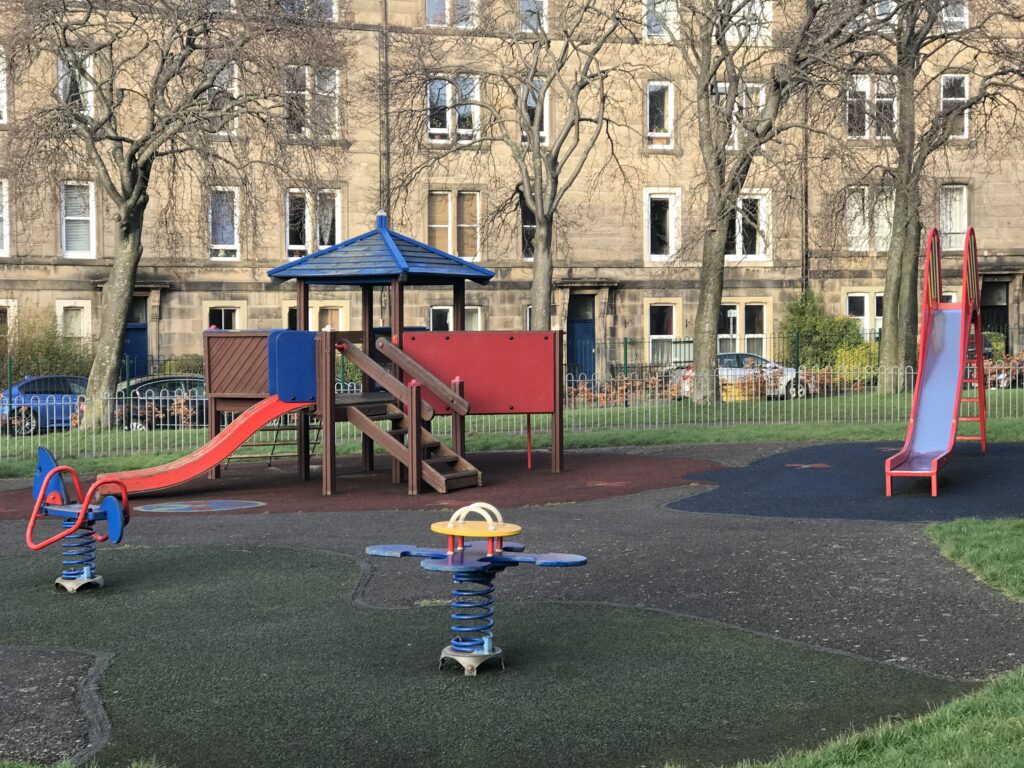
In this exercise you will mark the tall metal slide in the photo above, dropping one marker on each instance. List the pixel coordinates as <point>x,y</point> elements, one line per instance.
<point>951,371</point>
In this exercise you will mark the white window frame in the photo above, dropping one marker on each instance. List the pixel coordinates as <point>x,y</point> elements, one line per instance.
<point>764,212</point>
<point>91,253</point>
<point>449,15</point>
<point>86,88</point>
<point>307,229</point>
<point>676,306</point>
<point>451,131</point>
<point>240,306</point>
<point>85,305</point>
<point>865,320</point>
<point>11,305</point>
<point>955,23</point>
<point>966,133</point>
<point>759,26</point>
<point>873,91</point>
<point>338,238</point>
<point>231,87</point>
<point>545,106</point>
<point>876,218</point>
<point>544,17</point>
<point>5,220</point>
<point>667,18</point>
<point>309,74</point>
<point>742,104</point>
<point>453,221</point>
<point>308,6</point>
<point>674,196</point>
<point>734,334</point>
<point>747,335</point>
<point>954,238</point>
<point>235,246</point>
<point>670,117</point>
<point>471,309</point>
<point>3,88</point>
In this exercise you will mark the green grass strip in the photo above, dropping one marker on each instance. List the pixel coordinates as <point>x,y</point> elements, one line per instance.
<point>993,550</point>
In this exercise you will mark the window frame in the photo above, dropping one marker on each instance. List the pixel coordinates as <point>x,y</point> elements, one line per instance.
<point>4,88</point>
<point>452,226</point>
<point>290,252</point>
<point>668,22</point>
<point>965,132</point>
<point>305,12</point>
<point>92,251</point>
<point>965,217</point>
<point>763,230</point>
<point>760,27</point>
<point>450,19</point>
<point>310,98</point>
<point>470,309</point>
<point>451,131</point>
<point>241,307</point>
<point>676,306</point>
<point>65,71</point>
<point>674,196</point>
<point>955,23</point>
<point>5,219</point>
<point>545,106</point>
<point>523,227</point>
<point>236,212</point>
<point>651,137</point>
<point>338,237</point>
<point>528,28</point>
<point>741,104</point>
<point>60,305</point>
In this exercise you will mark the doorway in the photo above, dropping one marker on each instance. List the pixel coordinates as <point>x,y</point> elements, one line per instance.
<point>135,356</point>
<point>581,336</point>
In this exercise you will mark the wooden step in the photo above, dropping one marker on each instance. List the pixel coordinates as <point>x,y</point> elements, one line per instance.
<point>398,432</point>
<point>466,478</point>
<point>441,463</point>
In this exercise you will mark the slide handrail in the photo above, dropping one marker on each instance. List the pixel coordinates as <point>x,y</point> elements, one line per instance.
<point>970,276</point>
<point>438,388</point>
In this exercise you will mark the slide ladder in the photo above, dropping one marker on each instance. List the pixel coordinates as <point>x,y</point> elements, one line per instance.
<point>947,365</point>
<point>406,435</point>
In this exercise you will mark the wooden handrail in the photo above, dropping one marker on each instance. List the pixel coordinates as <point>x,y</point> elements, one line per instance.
<point>438,388</point>
<point>378,373</point>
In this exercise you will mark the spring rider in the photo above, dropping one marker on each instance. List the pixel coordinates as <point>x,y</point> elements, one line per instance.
<point>78,519</point>
<point>473,567</point>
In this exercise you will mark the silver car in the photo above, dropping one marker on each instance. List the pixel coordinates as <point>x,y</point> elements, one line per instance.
<point>780,381</point>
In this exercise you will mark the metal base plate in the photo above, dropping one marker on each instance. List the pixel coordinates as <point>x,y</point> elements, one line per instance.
<point>470,661</point>
<point>73,585</point>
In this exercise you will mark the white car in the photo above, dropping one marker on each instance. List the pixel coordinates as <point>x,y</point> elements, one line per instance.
<point>780,381</point>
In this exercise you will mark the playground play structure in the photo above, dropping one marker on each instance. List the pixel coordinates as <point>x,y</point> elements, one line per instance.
<point>473,567</point>
<point>408,379</point>
<point>950,359</point>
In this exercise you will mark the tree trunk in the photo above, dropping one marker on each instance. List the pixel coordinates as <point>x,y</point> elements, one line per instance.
<point>543,271</point>
<point>116,301</point>
<point>899,331</point>
<point>705,334</point>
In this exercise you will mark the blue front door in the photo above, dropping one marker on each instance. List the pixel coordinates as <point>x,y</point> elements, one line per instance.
<point>135,356</point>
<point>581,337</point>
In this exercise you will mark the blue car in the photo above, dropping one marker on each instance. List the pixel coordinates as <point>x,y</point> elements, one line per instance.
<point>37,404</point>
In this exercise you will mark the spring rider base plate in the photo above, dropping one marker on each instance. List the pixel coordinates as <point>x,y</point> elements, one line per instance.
<point>73,585</point>
<point>470,661</point>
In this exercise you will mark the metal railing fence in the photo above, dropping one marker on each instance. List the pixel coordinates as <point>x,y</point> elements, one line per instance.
<point>175,423</point>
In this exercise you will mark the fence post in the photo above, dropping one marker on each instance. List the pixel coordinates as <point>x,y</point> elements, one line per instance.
<point>625,356</point>
<point>796,351</point>
<point>10,373</point>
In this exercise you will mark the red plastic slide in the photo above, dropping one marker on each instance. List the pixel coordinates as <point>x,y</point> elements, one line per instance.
<point>210,455</point>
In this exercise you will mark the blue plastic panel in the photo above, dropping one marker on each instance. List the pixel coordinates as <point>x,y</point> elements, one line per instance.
<point>44,463</point>
<point>291,369</point>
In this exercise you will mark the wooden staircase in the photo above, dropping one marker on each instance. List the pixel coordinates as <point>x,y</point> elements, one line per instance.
<point>405,433</point>
<point>439,466</point>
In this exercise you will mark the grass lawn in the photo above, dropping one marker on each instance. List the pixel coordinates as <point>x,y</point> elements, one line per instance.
<point>991,550</point>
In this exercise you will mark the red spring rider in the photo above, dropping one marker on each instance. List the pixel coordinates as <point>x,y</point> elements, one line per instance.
<point>78,518</point>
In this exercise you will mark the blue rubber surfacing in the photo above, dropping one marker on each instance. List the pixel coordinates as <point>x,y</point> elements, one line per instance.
<point>846,481</point>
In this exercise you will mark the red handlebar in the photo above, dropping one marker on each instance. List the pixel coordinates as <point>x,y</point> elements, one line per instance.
<point>86,498</point>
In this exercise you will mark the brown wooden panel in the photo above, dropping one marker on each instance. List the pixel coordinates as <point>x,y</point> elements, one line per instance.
<point>237,363</point>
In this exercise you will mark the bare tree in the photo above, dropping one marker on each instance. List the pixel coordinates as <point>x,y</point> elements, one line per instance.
<point>944,74</point>
<point>745,63</point>
<point>129,92</point>
<point>527,91</point>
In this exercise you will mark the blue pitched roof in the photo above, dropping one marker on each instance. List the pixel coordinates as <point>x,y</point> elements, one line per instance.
<point>378,257</point>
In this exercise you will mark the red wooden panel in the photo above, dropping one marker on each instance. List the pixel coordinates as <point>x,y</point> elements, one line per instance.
<point>504,371</point>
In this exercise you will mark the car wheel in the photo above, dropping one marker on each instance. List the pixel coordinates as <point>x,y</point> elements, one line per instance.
<point>138,426</point>
<point>793,390</point>
<point>25,422</point>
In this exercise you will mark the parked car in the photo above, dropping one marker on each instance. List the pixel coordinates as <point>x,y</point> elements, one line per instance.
<point>155,402</point>
<point>986,348</point>
<point>37,404</point>
<point>779,380</point>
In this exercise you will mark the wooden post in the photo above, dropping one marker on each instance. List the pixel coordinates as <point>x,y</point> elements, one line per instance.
<point>459,305</point>
<point>415,468</point>
<point>326,408</point>
<point>367,381</point>
<point>458,420</point>
<point>397,318</point>
<point>213,420</point>
<point>556,416</point>
<point>301,419</point>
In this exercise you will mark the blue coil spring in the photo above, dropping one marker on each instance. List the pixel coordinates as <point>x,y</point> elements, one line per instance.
<point>474,612</point>
<point>79,552</point>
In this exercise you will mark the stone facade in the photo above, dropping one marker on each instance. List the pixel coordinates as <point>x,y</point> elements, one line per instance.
<point>605,282</point>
